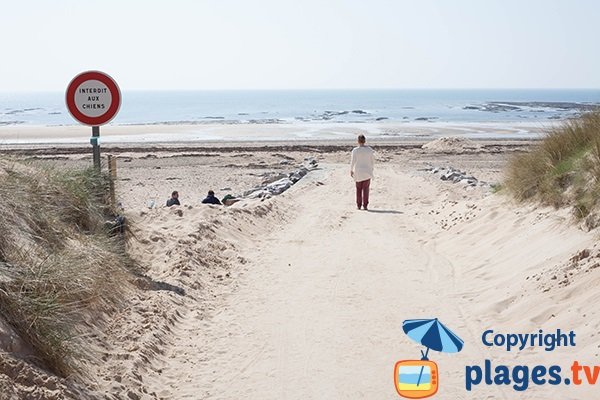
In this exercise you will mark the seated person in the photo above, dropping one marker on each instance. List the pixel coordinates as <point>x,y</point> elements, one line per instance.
<point>174,200</point>
<point>211,199</point>
<point>229,200</point>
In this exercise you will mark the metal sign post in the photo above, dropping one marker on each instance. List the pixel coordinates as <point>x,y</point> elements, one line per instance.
<point>96,146</point>
<point>93,98</point>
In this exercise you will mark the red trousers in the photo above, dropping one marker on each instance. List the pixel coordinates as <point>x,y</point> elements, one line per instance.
<point>362,193</point>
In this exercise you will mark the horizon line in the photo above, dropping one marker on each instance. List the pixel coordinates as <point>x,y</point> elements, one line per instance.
<point>315,89</point>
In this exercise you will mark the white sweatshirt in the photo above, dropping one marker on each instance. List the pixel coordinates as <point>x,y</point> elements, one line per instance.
<point>362,162</point>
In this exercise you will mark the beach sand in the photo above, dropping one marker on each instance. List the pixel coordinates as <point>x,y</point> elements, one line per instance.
<point>301,296</point>
<point>205,132</point>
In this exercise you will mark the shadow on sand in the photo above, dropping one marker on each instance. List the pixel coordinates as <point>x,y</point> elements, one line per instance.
<point>385,211</point>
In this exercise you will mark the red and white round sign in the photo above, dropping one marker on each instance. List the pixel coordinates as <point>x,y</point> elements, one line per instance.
<point>93,98</point>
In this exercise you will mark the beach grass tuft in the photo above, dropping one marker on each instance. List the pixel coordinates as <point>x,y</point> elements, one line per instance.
<point>61,272</point>
<point>564,169</point>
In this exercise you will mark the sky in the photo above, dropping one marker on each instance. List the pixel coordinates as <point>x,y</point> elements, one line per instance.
<point>301,44</point>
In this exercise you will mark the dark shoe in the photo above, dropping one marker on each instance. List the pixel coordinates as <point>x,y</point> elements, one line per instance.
<point>365,208</point>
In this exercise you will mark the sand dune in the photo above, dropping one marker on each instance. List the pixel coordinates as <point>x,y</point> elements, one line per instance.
<point>303,297</point>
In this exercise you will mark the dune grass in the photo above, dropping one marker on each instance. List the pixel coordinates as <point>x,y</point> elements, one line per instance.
<point>564,169</point>
<point>60,270</point>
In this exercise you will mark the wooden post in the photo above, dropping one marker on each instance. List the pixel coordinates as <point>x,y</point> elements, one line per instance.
<point>112,172</point>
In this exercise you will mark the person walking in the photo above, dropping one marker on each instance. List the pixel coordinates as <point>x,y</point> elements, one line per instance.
<point>361,169</point>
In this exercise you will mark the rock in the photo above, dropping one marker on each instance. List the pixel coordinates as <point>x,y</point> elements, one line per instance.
<point>302,171</point>
<point>452,175</point>
<point>309,163</point>
<point>456,176</point>
<point>328,113</point>
<point>499,107</point>
<point>273,177</point>
<point>279,186</point>
<point>298,174</point>
<point>277,183</point>
<point>256,194</point>
<point>249,192</point>
<point>295,177</point>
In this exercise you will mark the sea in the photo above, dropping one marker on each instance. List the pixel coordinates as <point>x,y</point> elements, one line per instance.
<point>437,107</point>
<point>288,106</point>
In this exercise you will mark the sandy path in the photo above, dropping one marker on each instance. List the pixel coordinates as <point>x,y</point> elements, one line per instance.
<point>318,312</point>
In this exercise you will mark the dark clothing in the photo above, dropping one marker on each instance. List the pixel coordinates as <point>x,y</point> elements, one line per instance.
<point>211,200</point>
<point>173,202</point>
<point>362,193</point>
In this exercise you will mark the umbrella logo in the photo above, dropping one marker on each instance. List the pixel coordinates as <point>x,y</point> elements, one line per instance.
<point>418,379</point>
